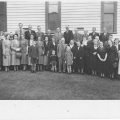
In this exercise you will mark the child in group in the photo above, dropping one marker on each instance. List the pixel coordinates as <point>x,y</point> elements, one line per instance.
<point>80,58</point>
<point>33,54</point>
<point>53,61</point>
<point>68,59</point>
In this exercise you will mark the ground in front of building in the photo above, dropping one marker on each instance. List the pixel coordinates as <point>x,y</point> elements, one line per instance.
<point>56,86</point>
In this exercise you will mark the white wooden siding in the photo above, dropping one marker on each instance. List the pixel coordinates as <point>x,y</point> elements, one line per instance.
<point>81,14</point>
<point>118,20</point>
<point>26,12</point>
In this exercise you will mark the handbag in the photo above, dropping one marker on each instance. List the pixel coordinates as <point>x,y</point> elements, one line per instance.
<point>18,55</point>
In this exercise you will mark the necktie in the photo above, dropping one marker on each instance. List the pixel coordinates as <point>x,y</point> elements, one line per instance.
<point>20,33</point>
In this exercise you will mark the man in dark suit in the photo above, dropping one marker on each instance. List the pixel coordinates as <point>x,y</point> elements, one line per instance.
<point>94,33</point>
<point>68,35</point>
<point>29,33</point>
<point>104,36</point>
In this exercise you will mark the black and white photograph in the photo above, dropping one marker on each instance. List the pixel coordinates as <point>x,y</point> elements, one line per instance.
<point>59,50</point>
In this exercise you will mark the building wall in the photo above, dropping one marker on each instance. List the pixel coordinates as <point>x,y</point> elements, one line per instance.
<point>118,20</point>
<point>81,14</point>
<point>32,12</point>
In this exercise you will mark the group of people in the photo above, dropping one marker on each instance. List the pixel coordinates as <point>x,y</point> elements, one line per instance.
<point>93,54</point>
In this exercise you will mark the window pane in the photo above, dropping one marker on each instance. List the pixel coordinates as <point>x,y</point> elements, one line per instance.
<point>108,22</point>
<point>53,8</point>
<point>53,17</point>
<point>108,7</point>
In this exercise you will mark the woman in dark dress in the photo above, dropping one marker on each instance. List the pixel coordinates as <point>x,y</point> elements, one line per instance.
<point>112,57</point>
<point>102,57</point>
<point>93,57</point>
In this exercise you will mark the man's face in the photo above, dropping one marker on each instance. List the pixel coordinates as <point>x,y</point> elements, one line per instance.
<point>30,27</point>
<point>39,28</point>
<point>58,30</point>
<point>67,28</point>
<point>49,31</point>
<point>89,38</point>
<point>94,29</point>
<point>76,31</point>
<point>85,32</point>
<point>105,30</point>
<point>20,26</point>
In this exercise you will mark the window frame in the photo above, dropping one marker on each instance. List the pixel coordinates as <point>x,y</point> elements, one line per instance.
<point>46,15</point>
<point>114,18</point>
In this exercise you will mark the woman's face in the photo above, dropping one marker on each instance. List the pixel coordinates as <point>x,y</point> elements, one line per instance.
<point>101,44</point>
<point>8,37</point>
<point>15,37</point>
<point>22,37</point>
<point>110,43</point>
<point>46,39</point>
<point>32,37</point>
<point>71,42</point>
<point>53,39</point>
<point>116,41</point>
<point>95,42</point>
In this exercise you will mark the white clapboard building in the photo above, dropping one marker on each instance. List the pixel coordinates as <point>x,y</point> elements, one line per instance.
<point>50,15</point>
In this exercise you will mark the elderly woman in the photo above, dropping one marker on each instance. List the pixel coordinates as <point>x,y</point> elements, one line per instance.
<point>15,47</point>
<point>7,53</point>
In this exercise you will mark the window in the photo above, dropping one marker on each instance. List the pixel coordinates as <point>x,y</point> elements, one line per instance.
<point>109,16</point>
<point>53,16</point>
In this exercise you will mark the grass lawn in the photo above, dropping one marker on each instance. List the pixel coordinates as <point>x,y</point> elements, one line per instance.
<point>56,86</point>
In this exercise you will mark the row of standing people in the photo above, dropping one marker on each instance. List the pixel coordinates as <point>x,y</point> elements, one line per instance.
<point>90,57</point>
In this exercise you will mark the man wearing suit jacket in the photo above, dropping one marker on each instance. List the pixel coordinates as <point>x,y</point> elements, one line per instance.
<point>104,36</point>
<point>77,36</point>
<point>61,48</point>
<point>58,35</point>
<point>29,33</point>
<point>68,35</point>
<point>20,31</point>
<point>94,34</point>
<point>39,33</point>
